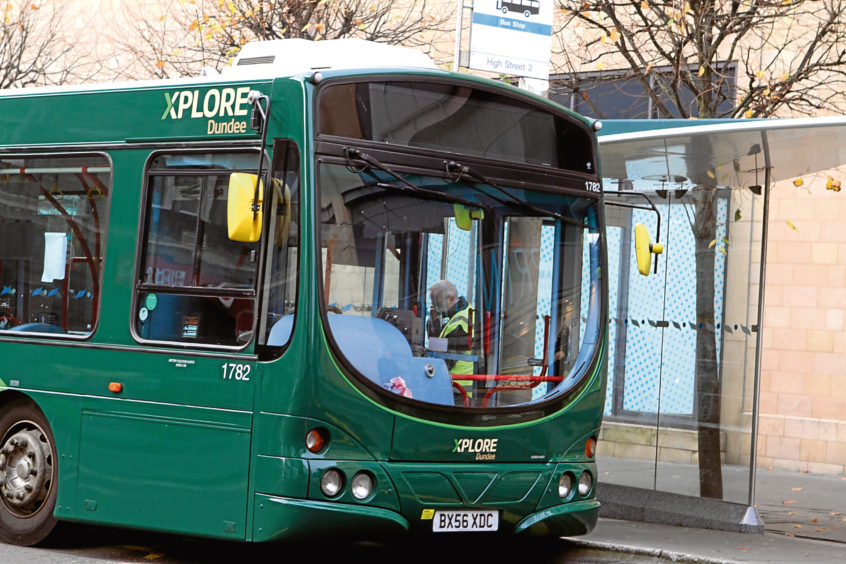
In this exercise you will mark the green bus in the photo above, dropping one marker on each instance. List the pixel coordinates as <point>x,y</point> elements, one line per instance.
<point>300,297</point>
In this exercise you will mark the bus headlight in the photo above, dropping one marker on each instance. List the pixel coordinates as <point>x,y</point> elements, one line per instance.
<point>565,485</point>
<point>332,482</point>
<point>585,483</point>
<point>362,485</point>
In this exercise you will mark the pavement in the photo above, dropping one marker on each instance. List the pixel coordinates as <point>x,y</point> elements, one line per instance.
<point>804,519</point>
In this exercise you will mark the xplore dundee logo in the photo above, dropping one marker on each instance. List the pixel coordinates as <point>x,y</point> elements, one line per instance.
<point>214,104</point>
<point>485,449</point>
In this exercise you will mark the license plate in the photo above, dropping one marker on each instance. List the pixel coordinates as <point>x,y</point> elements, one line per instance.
<point>463,521</point>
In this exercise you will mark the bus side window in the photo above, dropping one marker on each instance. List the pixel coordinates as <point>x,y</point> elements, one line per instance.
<point>53,216</point>
<point>195,285</point>
<point>279,286</point>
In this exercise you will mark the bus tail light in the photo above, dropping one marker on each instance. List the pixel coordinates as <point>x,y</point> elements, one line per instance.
<point>317,439</point>
<point>332,482</point>
<point>590,447</point>
<point>565,485</point>
<point>362,485</point>
<point>585,483</point>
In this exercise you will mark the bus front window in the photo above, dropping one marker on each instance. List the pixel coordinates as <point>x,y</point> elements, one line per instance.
<point>499,311</point>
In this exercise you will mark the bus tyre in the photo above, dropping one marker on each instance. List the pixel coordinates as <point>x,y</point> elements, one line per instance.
<point>28,474</point>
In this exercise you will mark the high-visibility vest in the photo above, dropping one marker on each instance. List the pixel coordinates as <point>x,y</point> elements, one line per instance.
<point>461,320</point>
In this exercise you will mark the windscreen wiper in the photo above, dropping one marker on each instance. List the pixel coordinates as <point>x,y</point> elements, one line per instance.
<point>354,154</point>
<point>453,167</point>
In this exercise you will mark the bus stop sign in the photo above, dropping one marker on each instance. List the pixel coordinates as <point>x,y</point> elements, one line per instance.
<point>512,37</point>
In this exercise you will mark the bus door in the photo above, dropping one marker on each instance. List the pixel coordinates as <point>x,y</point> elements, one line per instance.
<point>175,454</point>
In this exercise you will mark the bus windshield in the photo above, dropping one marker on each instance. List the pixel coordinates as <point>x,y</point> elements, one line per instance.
<point>439,301</point>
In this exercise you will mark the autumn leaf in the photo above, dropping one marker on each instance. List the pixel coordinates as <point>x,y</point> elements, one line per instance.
<point>798,182</point>
<point>749,114</point>
<point>160,64</point>
<point>832,184</point>
<point>644,5</point>
<point>794,228</point>
<point>760,74</point>
<point>789,501</point>
<point>712,243</point>
<point>723,250</point>
<point>737,215</point>
<point>711,174</point>
<point>701,70</point>
<point>796,489</point>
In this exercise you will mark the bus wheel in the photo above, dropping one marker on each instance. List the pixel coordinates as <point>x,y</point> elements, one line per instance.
<point>27,474</point>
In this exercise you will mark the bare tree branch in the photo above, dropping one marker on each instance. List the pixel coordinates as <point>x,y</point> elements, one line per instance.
<point>33,50</point>
<point>184,37</point>
<point>789,53</point>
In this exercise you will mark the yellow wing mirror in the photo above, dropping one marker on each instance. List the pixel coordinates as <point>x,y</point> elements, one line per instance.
<point>464,216</point>
<point>242,218</point>
<point>644,249</point>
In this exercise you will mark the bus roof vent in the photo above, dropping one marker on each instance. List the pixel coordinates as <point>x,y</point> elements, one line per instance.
<point>288,57</point>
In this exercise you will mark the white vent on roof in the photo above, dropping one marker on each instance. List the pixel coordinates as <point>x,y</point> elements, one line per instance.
<point>287,57</point>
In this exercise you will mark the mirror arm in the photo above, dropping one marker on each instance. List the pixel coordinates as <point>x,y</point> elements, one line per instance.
<point>255,98</point>
<point>651,206</point>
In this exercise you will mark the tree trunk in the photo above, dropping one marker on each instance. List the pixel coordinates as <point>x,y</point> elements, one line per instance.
<point>707,373</point>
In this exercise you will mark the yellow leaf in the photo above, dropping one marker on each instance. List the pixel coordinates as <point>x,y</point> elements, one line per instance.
<point>644,5</point>
<point>712,243</point>
<point>711,174</point>
<point>600,66</point>
<point>603,39</point>
<point>160,64</point>
<point>793,227</point>
<point>701,70</point>
<point>749,114</point>
<point>614,36</point>
<point>726,241</point>
<point>798,182</point>
<point>723,250</point>
<point>760,74</point>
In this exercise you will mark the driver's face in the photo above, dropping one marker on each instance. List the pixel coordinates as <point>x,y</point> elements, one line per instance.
<point>438,303</point>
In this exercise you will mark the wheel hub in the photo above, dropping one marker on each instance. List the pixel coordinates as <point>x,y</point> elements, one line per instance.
<point>25,470</point>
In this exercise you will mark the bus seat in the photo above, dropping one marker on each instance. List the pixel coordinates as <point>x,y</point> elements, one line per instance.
<point>38,328</point>
<point>381,352</point>
<point>280,333</point>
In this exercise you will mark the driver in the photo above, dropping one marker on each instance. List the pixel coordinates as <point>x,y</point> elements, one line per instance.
<point>445,302</point>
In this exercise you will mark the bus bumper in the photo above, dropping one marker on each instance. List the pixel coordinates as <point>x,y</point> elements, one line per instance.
<point>279,518</point>
<point>286,518</point>
<point>569,519</point>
